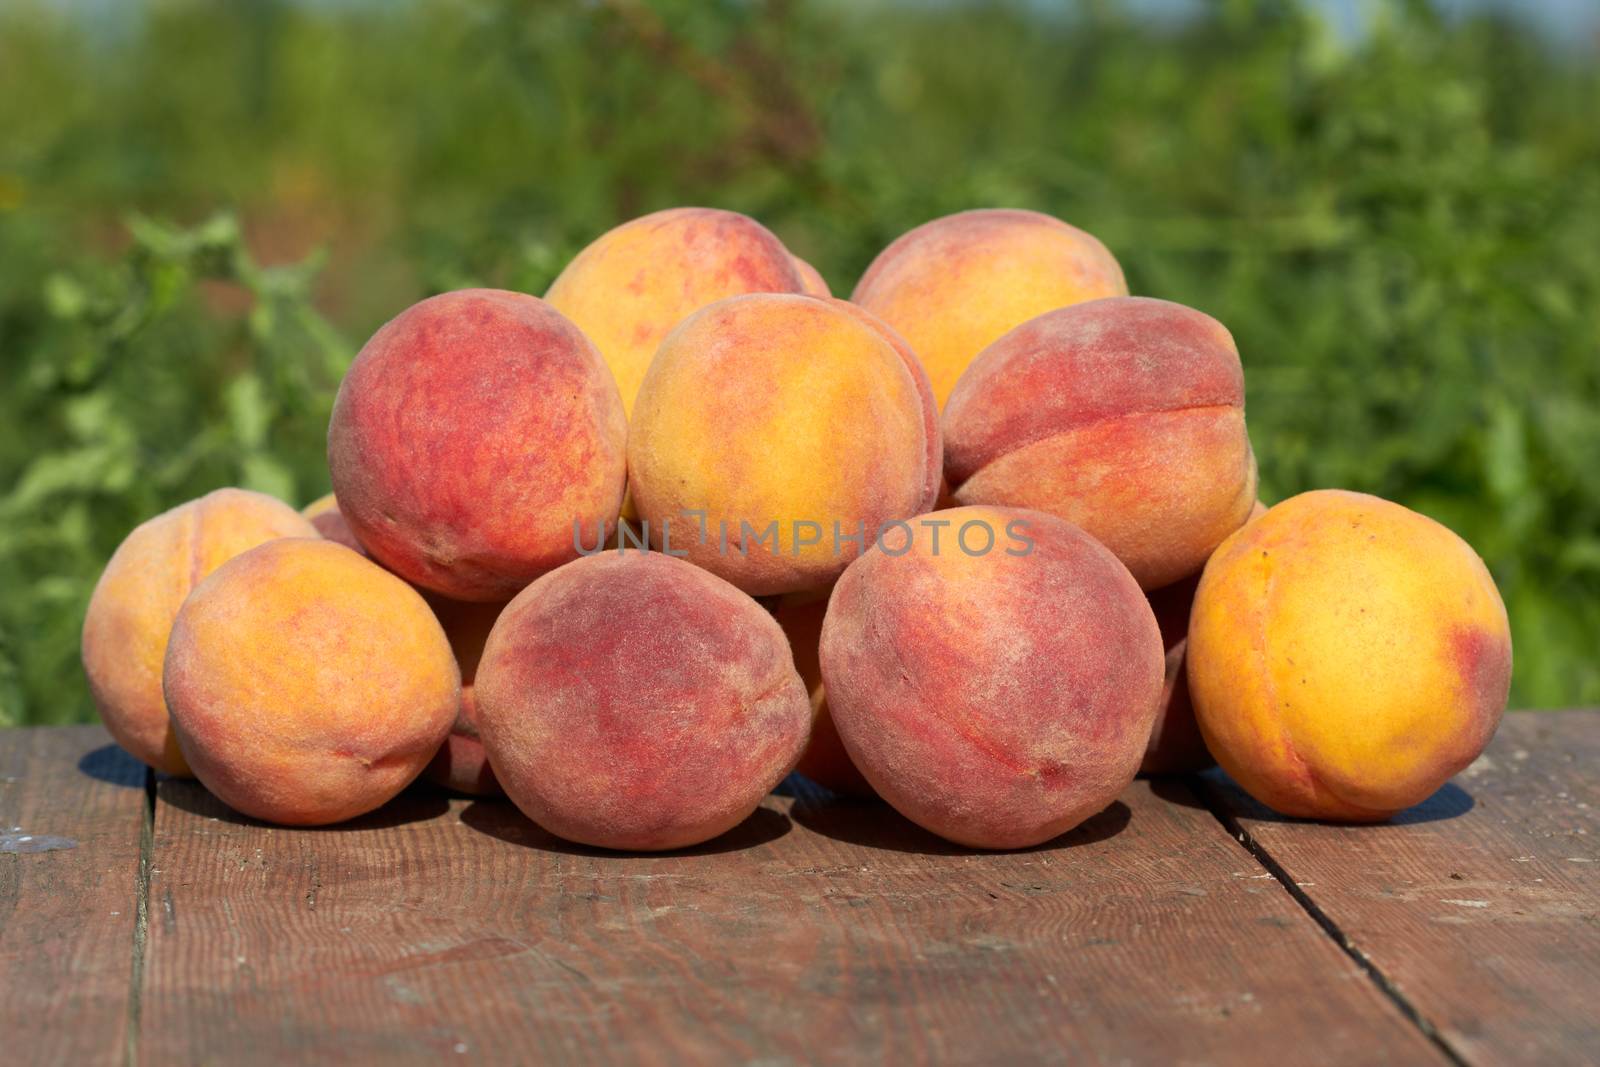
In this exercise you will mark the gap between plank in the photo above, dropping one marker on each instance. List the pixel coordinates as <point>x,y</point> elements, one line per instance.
<point>1214,803</point>
<point>141,922</point>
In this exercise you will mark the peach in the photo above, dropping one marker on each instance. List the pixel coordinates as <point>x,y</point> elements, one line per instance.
<point>461,764</point>
<point>1176,746</point>
<point>130,613</point>
<point>1124,416</point>
<point>633,284</point>
<point>631,700</point>
<point>953,286</point>
<point>824,760</point>
<point>932,435</point>
<point>993,673</point>
<point>475,441</point>
<point>812,283</point>
<point>1346,656</point>
<point>774,435</point>
<point>324,514</point>
<point>308,685</point>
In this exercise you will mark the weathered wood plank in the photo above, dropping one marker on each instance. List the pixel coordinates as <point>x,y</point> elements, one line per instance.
<point>816,932</point>
<point>67,912</point>
<point>1482,906</point>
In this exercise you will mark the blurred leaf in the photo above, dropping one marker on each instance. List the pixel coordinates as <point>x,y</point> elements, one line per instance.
<point>266,475</point>
<point>249,410</point>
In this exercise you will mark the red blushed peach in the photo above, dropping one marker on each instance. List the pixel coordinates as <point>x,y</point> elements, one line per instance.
<point>1124,416</point>
<point>825,760</point>
<point>1176,745</point>
<point>631,286</point>
<point>475,439</point>
<point>631,700</point>
<point>461,764</point>
<point>953,286</point>
<point>130,614</point>
<point>308,685</point>
<point>995,676</point>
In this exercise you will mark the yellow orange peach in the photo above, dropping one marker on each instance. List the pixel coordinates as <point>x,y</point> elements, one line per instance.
<point>324,514</point>
<point>307,684</point>
<point>772,430</point>
<point>1346,656</point>
<point>633,284</point>
<point>130,614</point>
<point>953,286</point>
<point>812,282</point>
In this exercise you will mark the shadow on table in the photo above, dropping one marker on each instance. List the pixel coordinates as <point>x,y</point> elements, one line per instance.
<point>1212,787</point>
<point>112,764</point>
<point>501,819</point>
<point>874,824</point>
<point>411,806</point>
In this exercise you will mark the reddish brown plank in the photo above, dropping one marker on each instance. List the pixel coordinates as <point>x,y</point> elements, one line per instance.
<point>67,914</point>
<point>1482,906</point>
<point>816,932</point>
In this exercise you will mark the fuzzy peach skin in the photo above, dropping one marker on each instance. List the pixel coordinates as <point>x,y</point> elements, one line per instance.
<point>825,760</point>
<point>308,685</point>
<point>461,765</point>
<point>131,611</point>
<point>633,284</point>
<point>1176,746</point>
<point>764,411</point>
<point>631,700</point>
<point>470,436</point>
<point>953,286</point>
<point>324,514</point>
<point>997,698</point>
<point>1123,415</point>
<point>812,283</point>
<point>933,436</point>
<point>1346,656</point>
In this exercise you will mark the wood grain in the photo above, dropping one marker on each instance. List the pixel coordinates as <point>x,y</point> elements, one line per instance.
<point>1482,906</point>
<point>818,931</point>
<point>68,914</point>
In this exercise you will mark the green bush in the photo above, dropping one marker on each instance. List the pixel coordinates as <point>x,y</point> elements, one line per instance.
<point>1400,229</point>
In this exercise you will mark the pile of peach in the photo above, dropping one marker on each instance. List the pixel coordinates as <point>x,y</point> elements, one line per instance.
<point>1002,518</point>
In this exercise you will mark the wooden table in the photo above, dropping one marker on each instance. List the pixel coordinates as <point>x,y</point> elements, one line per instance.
<point>1185,924</point>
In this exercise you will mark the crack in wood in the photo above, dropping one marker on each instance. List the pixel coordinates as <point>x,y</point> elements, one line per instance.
<point>1374,973</point>
<point>141,927</point>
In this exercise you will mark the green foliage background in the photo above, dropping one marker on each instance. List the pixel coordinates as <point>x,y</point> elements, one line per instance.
<point>205,208</point>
